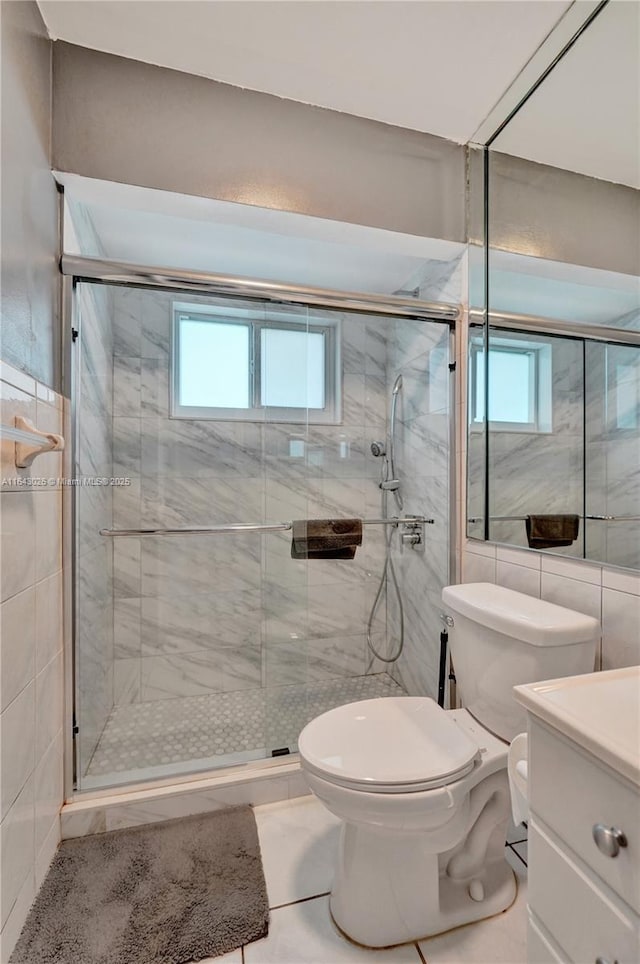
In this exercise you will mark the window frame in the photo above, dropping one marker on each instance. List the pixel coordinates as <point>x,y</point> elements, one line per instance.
<point>540,368</point>
<point>330,328</point>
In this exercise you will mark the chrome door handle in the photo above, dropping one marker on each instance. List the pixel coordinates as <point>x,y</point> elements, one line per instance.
<point>608,840</point>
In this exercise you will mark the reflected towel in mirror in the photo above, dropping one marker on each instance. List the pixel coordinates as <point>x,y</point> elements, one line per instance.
<point>549,531</point>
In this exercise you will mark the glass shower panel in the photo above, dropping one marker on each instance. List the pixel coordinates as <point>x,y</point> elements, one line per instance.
<point>315,646</point>
<point>320,633</point>
<point>197,651</point>
<point>612,449</point>
<point>93,461</point>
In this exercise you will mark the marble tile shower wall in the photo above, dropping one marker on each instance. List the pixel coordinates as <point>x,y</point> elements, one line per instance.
<point>220,613</point>
<point>31,657</point>
<point>95,653</point>
<point>420,352</point>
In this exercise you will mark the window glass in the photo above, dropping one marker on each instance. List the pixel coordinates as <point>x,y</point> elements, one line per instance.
<point>510,388</point>
<point>214,364</point>
<point>236,362</point>
<point>292,368</point>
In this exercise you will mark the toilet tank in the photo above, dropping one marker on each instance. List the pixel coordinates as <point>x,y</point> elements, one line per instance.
<point>501,638</point>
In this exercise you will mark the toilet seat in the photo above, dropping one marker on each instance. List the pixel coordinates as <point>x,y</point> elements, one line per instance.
<point>388,745</point>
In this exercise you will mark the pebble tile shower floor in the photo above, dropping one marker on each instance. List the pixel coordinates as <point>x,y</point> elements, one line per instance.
<point>209,728</point>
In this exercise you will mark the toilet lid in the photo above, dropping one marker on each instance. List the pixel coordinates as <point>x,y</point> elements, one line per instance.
<point>388,745</point>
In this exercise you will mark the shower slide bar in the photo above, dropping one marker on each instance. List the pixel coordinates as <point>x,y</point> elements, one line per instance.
<point>523,518</point>
<point>239,527</point>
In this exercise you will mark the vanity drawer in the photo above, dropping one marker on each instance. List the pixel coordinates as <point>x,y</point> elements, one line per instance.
<point>587,922</point>
<point>539,948</point>
<point>571,792</point>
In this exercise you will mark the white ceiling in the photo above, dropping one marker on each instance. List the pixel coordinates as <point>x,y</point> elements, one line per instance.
<point>585,116</point>
<point>430,65</point>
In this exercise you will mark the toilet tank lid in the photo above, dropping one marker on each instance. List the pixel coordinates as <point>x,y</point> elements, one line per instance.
<point>523,617</point>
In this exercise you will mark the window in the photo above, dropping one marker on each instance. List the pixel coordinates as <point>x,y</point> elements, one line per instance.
<point>520,385</point>
<point>233,363</point>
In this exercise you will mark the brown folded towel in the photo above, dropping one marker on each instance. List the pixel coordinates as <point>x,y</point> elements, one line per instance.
<point>325,538</point>
<point>549,531</point>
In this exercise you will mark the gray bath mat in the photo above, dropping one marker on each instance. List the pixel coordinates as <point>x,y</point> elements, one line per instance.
<point>165,893</point>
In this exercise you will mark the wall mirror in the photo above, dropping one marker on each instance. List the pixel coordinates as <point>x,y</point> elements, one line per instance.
<point>554,343</point>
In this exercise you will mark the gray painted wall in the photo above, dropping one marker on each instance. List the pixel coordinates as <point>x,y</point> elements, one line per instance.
<point>562,216</point>
<point>135,123</point>
<point>30,324</point>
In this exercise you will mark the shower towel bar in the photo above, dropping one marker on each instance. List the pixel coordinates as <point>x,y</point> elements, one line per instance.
<point>596,518</point>
<point>614,518</point>
<point>253,527</point>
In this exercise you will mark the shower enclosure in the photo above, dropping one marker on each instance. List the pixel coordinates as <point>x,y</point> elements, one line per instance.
<point>194,411</point>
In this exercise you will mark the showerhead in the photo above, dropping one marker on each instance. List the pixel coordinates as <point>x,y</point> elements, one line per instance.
<point>397,385</point>
<point>378,449</point>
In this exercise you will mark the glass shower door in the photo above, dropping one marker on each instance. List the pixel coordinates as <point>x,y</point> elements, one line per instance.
<point>196,651</point>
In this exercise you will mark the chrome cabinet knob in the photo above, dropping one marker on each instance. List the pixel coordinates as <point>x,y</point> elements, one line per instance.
<point>608,840</point>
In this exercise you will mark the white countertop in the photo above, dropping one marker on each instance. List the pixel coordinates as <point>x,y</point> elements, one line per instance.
<point>599,711</point>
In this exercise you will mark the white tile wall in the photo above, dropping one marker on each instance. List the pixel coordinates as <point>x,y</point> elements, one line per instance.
<point>620,629</point>
<point>610,595</point>
<point>521,578</point>
<point>31,658</point>
<point>585,597</point>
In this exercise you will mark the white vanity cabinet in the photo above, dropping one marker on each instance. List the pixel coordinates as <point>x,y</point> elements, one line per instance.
<point>584,828</point>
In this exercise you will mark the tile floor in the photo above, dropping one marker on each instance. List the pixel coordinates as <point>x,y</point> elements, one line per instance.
<point>298,840</point>
<point>200,732</point>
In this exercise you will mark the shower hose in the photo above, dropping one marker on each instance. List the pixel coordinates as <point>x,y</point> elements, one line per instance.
<point>387,578</point>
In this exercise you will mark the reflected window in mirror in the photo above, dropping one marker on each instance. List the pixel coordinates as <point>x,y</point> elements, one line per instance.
<point>520,384</point>
<point>623,388</point>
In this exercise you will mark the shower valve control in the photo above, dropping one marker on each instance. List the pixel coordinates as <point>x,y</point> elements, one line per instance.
<point>411,538</point>
<point>413,534</point>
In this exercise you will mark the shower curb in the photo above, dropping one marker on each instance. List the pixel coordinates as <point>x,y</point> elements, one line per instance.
<point>131,807</point>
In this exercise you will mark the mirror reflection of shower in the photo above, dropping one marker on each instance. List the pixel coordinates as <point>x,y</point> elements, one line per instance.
<point>389,482</point>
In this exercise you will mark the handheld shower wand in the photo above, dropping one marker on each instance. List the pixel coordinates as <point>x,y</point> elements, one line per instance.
<point>392,482</point>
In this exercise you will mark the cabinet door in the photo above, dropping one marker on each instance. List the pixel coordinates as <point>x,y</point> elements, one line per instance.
<point>539,947</point>
<point>571,791</point>
<point>586,919</point>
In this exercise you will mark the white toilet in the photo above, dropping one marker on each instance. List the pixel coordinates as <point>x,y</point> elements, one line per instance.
<point>423,791</point>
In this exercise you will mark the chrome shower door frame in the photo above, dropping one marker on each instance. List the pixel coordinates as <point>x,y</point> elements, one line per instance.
<point>96,271</point>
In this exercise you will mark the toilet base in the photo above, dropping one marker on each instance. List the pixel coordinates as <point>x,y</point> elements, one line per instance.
<point>394,886</point>
<point>396,918</point>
